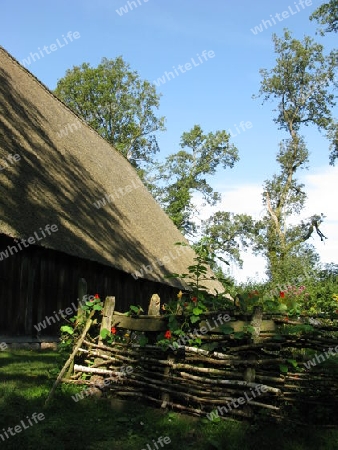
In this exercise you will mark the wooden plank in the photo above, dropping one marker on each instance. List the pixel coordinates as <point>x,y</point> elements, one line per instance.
<point>139,323</point>
<point>238,325</point>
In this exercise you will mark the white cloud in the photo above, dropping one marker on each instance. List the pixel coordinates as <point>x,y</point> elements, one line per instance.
<point>247,198</point>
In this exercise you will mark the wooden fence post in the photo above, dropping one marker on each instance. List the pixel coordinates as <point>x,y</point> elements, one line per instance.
<point>107,315</point>
<point>154,310</point>
<point>250,372</point>
<point>107,318</point>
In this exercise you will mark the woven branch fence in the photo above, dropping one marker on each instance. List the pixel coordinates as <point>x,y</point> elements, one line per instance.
<point>262,373</point>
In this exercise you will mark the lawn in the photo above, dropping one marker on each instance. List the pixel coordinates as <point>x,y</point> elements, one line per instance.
<point>26,378</point>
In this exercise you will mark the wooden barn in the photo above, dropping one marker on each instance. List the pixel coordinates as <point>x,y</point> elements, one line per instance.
<point>72,207</point>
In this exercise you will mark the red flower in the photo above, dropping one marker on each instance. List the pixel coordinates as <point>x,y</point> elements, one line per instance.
<point>96,296</point>
<point>167,334</point>
<point>194,299</point>
<point>282,294</point>
<point>113,330</point>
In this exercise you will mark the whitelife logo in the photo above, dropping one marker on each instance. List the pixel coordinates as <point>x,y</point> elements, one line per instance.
<point>48,49</point>
<point>118,193</point>
<point>62,313</point>
<point>184,340</point>
<point>3,346</point>
<point>118,378</point>
<point>236,403</point>
<point>48,230</point>
<point>168,76</point>
<point>69,128</point>
<point>161,262</point>
<point>301,5</point>
<point>22,426</point>
<point>129,6</point>
<point>11,159</point>
<point>318,359</point>
<point>161,440</point>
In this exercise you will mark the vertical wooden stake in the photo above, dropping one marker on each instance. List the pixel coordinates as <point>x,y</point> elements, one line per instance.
<point>165,397</point>
<point>107,318</point>
<point>250,372</point>
<point>107,315</point>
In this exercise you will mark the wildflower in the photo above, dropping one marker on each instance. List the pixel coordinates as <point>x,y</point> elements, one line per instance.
<point>167,334</point>
<point>96,296</point>
<point>179,295</point>
<point>194,299</point>
<point>113,330</point>
<point>282,294</point>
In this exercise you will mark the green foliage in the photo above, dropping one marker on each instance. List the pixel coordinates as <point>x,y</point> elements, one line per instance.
<point>300,82</point>
<point>134,310</point>
<point>185,172</point>
<point>190,308</point>
<point>114,101</point>
<point>71,332</point>
<point>229,233</point>
<point>327,14</point>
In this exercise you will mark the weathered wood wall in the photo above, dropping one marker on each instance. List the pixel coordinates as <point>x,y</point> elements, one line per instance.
<point>36,281</point>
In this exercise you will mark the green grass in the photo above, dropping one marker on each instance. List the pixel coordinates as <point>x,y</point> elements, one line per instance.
<point>26,378</point>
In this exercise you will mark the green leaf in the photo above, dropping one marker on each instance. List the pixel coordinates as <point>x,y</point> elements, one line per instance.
<point>250,329</point>
<point>226,329</point>
<point>293,363</point>
<point>210,347</point>
<point>97,307</point>
<point>278,337</point>
<point>282,307</point>
<point>143,341</point>
<point>194,319</point>
<point>104,333</point>
<point>239,335</point>
<point>67,329</point>
<point>283,368</point>
<point>197,311</point>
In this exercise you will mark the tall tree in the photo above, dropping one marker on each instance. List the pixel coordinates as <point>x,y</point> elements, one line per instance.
<point>327,14</point>
<point>120,106</point>
<point>184,173</point>
<point>300,82</point>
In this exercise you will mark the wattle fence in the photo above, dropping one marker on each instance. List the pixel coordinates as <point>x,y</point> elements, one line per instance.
<point>261,365</point>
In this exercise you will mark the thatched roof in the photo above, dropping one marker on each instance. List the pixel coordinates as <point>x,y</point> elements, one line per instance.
<point>58,179</point>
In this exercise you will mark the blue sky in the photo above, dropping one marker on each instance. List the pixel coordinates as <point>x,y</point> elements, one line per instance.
<point>156,36</point>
